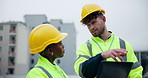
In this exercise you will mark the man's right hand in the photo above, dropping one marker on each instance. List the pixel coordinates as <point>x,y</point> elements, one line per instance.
<point>114,53</point>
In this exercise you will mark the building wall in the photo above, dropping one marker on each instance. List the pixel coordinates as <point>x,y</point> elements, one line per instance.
<point>14,47</point>
<point>22,49</point>
<point>67,62</point>
<point>34,20</point>
<point>5,48</point>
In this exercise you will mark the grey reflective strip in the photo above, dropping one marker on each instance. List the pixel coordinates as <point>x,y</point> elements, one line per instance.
<point>80,71</point>
<point>122,45</point>
<point>87,57</point>
<point>49,76</point>
<point>89,46</point>
<point>80,67</point>
<point>136,65</point>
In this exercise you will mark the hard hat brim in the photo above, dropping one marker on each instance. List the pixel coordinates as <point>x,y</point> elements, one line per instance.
<point>41,48</point>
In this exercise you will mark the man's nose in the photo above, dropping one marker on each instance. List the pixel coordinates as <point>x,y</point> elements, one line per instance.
<point>91,27</point>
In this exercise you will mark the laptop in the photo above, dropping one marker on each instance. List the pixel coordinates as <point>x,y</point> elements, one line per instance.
<point>110,69</point>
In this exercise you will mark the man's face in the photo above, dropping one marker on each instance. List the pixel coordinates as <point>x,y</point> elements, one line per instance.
<point>96,26</point>
<point>58,50</point>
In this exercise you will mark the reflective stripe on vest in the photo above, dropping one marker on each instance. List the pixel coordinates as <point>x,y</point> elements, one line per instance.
<point>136,65</point>
<point>85,56</point>
<point>49,76</point>
<point>89,46</point>
<point>122,45</point>
<point>80,71</point>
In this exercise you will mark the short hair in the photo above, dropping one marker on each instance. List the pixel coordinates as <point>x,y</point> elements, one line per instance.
<point>91,16</point>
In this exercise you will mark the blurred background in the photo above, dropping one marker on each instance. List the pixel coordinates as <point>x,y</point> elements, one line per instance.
<point>128,19</point>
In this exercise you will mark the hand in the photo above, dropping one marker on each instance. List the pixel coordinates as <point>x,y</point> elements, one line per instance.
<point>114,53</point>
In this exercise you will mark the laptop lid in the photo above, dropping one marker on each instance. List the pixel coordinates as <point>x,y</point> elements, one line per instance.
<point>110,69</point>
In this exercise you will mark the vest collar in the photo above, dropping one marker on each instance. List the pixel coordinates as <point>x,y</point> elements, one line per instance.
<point>100,40</point>
<point>44,62</point>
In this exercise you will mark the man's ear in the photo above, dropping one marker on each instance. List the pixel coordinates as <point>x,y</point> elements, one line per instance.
<point>104,18</point>
<point>50,50</point>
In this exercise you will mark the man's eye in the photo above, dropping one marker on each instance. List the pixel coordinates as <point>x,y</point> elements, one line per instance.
<point>88,24</point>
<point>93,22</point>
<point>61,43</point>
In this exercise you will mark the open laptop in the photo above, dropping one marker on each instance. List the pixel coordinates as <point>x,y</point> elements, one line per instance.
<point>110,69</point>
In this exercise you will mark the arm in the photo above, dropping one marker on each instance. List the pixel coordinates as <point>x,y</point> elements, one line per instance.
<point>88,67</point>
<point>83,56</point>
<point>91,66</point>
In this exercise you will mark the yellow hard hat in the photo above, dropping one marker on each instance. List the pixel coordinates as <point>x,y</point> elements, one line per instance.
<point>42,36</point>
<point>90,8</point>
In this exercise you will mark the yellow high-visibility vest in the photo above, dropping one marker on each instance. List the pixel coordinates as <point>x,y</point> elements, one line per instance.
<point>98,46</point>
<point>45,69</point>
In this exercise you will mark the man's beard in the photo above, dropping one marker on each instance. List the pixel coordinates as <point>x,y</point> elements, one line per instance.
<point>99,32</point>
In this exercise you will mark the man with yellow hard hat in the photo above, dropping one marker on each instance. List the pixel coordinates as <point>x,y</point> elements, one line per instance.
<point>103,45</point>
<point>46,40</point>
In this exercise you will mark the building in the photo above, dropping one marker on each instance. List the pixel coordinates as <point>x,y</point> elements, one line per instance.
<point>34,20</point>
<point>13,48</point>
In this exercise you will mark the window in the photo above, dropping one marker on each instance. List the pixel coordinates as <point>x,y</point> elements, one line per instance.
<point>0,72</point>
<point>58,61</point>
<point>10,70</point>
<point>11,61</point>
<point>1,27</point>
<point>59,28</point>
<point>0,49</point>
<point>12,39</point>
<point>32,61</point>
<point>13,28</point>
<point>1,38</point>
<point>0,60</point>
<point>12,50</point>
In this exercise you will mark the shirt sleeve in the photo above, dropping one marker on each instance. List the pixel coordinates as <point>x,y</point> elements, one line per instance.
<point>91,66</point>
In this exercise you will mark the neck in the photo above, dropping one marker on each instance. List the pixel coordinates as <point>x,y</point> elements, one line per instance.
<point>105,35</point>
<point>50,58</point>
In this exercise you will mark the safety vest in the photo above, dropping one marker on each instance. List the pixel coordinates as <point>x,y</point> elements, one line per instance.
<point>96,45</point>
<point>45,69</point>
